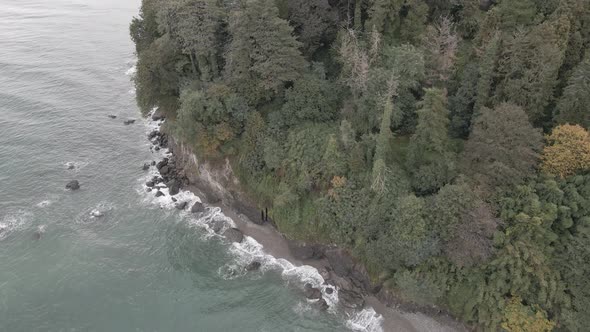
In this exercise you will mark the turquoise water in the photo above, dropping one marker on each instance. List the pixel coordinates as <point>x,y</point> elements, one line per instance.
<point>142,266</point>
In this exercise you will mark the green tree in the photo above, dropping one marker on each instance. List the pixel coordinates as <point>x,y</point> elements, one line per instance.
<point>144,29</point>
<point>263,54</point>
<point>530,62</point>
<point>315,23</point>
<point>573,106</point>
<point>429,157</point>
<point>503,147</point>
<point>487,69</point>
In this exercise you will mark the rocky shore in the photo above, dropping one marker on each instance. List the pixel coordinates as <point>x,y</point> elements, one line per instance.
<point>217,186</point>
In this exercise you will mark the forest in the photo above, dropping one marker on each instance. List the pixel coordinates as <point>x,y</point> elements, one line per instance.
<point>444,143</point>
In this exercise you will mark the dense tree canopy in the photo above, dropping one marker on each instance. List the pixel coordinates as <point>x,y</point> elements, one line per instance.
<point>407,131</point>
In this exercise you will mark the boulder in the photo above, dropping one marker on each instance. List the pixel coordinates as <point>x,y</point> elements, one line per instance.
<point>157,148</point>
<point>73,185</point>
<point>174,199</point>
<point>162,163</point>
<point>153,163</point>
<point>182,205</point>
<point>174,187</point>
<point>153,134</point>
<point>158,115</point>
<point>351,299</point>
<point>329,290</point>
<point>217,225</point>
<point>159,194</point>
<point>254,266</point>
<point>233,235</point>
<point>164,170</point>
<point>150,183</point>
<point>146,166</point>
<point>128,122</point>
<point>322,305</point>
<point>312,293</point>
<point>197,208</point>
<point>36,235</point>
<point>149,190</point>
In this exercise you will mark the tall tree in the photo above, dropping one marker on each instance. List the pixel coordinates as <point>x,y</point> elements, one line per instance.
<point>429,158</point>
<point>440,46</point>
<point>263,54</point>
<point>574,105</point>
<point>486,73</point>
<point>503,147</point>
<point>530,66</point>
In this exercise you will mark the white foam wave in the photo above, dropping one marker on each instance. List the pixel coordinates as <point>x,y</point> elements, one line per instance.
<point>249,250</point>
<point>44,203</point>
<point>131,71</point>
<point>14,222</point>
<point>365,320</point>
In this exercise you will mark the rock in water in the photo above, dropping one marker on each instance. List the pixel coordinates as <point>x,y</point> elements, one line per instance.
<point>146,166</point>
<point>174,188</point>
<point>73,185</point>
<point>71,165</point>
<point>159,193</point>
<point>322,305</point>
<point>218,225</point>
<point>233,235</point>
<point>181,206</point>
<point>197,207</point>
<point>128,122</point>
<point>112,116</point>
<point>254,266</point>
<point>329,290</point>
<point>311,292</point>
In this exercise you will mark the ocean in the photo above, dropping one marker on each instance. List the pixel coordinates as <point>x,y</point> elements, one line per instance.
<point>111,256</point>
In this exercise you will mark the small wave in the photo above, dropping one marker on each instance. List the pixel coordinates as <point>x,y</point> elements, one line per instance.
<point>98,211</point>
<point>14,222</point>
<point>44,204</point>
<point>249,250</point>
<point>365,320</point>
<point>75,165</point>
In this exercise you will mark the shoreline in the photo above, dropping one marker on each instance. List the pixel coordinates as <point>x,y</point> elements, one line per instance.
<point>216,186</point>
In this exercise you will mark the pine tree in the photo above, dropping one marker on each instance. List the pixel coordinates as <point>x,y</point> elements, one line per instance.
<point>429,158</point>
<point>530,66</point>
<point>503,147</point>
<point>263,54</point>
<point>486,72</point>
<point>574,105</point>
<point>198,26</point>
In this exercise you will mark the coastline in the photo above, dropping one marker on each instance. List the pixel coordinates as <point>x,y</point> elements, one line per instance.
<point>217,187</point>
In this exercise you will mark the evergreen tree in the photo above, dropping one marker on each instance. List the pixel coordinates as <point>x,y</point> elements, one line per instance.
<point>487,70</point>
<point>574,105</point>
<point>263,54</point>
<point>429,158</point>
<point>503,147</point>
<point>530,66</point>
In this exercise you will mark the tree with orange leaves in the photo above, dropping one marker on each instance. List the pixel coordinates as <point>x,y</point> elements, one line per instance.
<point>567,152</point>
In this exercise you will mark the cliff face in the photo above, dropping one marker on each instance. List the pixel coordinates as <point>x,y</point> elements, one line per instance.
<point>214,182</point>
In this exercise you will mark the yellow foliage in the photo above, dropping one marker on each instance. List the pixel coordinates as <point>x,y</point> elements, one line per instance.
<point>567,152</point>
<point>521,318</point>
<point>337,182</point>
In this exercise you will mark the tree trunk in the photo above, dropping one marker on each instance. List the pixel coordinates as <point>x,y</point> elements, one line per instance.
<point>193,64</point>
